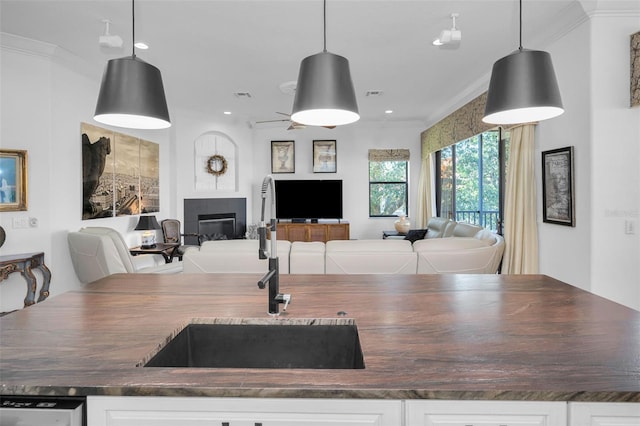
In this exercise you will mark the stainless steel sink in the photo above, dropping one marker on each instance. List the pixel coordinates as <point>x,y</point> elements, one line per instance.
<point>304,343</point>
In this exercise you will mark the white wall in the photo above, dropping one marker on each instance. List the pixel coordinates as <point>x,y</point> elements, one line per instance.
<point>592,64</point>
<point>352,144</point>
<point>570,129</point>
<point>615,267</point>
<point>45,96</point>
<point>187,127</point>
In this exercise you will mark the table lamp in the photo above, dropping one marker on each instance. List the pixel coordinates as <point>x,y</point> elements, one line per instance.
<point>148,224</point>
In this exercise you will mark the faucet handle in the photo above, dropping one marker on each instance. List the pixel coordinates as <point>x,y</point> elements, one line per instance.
<point>286,298</point>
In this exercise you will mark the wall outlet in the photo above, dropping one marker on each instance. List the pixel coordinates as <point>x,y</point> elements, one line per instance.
<point>20,222</point>
<point>630,226</point>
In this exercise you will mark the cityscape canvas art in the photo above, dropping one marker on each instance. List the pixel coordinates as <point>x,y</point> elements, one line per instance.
<point>120,174</point>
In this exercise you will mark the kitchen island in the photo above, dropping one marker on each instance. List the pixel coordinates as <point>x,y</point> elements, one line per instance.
<point>424,337</point>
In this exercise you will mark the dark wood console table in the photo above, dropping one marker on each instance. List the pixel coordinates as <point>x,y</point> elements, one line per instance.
<point>25,263</point>
<point>324,232</point>
<point>167,250</point>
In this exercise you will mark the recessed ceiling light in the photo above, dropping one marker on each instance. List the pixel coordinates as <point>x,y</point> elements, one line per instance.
<point>227,113</point>
<point>141,45</point>
<point>389,111</point>
<point>245,95</point>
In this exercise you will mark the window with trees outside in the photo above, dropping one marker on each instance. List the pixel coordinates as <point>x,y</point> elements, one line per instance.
<point>470,185</point>
<point>388,184</point>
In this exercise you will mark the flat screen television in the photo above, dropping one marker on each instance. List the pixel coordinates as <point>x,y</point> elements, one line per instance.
<point>308,199</point>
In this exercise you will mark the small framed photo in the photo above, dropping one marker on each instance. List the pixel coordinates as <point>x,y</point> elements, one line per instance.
<point>325,156</point>
<point>13,180</point>
<point>283,157</point>
<point>558,187</point>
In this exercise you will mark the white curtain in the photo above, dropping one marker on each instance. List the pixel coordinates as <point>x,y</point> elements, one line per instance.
<point>425,193</point>
<point>520,223</point>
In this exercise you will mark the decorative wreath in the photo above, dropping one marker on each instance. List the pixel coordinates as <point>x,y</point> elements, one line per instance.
<point>216,165</point>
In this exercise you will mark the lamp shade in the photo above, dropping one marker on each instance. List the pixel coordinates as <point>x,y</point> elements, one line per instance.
<point>523,88</point>
<point>147,223</point>
<point>324,93</point>
<point>132,95</point>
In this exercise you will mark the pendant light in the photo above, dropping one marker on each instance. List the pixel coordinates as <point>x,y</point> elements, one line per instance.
<point>523,88</point>
<point>132,93</point>
<point>324,93</point>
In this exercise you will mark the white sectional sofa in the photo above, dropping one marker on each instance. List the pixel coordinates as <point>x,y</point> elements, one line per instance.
<point>480,253</point>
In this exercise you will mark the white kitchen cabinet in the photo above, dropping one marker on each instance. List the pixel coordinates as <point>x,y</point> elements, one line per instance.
<point>201,411</point>
<point>485,413</point>
<point>604,414</point>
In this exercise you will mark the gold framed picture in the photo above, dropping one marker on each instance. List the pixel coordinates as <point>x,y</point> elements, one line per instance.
<point>13,180</point>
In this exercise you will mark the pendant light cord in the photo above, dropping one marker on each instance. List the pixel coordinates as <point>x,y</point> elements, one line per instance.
<point>133,29</point>
<point>324,22</point>
<point>520,46</point>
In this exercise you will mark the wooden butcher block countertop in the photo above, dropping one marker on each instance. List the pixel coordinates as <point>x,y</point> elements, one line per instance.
<point>423,337</point>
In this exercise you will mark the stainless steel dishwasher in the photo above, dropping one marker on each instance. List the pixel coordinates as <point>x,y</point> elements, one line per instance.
<point>42,411</point>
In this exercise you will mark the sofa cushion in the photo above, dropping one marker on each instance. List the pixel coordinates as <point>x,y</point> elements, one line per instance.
<point>463,229</point>
<point>307,257</point>
<point>436,227</point>
<point>459,255</point>
<point>368,246</point>
<point>486,235</point>
<point>449,244</point>
<point>370,257</point>
<point>234,256</point>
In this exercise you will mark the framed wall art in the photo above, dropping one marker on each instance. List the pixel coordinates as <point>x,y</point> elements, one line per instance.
<point>120,174</point>
<point>283,157</point>
<point>325,156</point>
<point>13,180</point>
<point>558,187</point>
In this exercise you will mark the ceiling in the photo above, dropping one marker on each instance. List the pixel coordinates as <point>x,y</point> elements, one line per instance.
<point>207,50</point>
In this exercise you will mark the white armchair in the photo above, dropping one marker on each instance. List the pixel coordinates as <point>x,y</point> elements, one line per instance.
<point>97,252</point>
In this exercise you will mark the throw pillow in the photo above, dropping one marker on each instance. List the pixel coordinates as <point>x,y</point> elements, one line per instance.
<point>415,234</point>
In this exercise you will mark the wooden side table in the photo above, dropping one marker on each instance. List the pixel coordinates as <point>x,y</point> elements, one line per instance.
<point>167,250</point>
<point>25,263</point>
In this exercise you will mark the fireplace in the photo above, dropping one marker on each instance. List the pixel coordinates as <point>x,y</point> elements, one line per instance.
<point>217,226</point>
<point>215,218</point>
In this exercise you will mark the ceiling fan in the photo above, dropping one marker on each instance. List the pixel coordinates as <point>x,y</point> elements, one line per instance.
<point>292,124</point>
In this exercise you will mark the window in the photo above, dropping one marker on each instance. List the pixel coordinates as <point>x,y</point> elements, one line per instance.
<point>470,185</point>
<point>388,182</point>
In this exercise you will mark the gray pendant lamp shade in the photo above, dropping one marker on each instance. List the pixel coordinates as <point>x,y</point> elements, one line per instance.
<point>132,95</point>
<point>523,88</point>
<point>324,94</point>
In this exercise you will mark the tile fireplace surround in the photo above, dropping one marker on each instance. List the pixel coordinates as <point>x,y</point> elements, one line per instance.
<point>196,208</point>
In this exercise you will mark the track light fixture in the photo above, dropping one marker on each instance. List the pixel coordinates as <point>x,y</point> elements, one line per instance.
<point>132,93</point>
<point>523,88</point>
<point>324,93</point>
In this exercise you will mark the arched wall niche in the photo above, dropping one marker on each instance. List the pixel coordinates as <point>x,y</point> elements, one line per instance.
<point>215,156</point>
